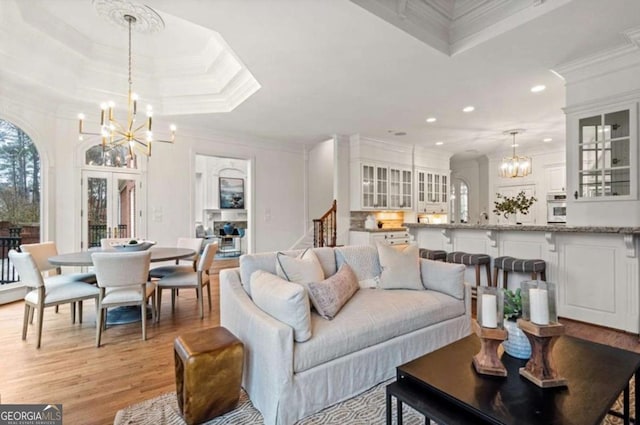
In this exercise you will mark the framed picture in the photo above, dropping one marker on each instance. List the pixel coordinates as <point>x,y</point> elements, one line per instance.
<point>231,193</point>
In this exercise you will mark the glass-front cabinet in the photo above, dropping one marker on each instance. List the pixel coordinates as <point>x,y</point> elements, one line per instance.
<point>432,191</point>
<point>606,155</point>
<point>385,187</point>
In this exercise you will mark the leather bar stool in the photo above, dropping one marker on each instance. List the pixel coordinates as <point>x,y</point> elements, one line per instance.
<point>433,254</point>
<point>476,260</point>
<point>511,264</point>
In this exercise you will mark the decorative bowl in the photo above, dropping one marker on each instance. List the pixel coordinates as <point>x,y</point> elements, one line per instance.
<point>139,245</point>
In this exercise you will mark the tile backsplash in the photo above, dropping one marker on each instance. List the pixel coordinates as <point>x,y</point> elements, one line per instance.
<point>388,219</point>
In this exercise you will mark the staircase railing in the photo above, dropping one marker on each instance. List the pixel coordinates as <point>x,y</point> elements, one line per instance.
<point>324,228</point>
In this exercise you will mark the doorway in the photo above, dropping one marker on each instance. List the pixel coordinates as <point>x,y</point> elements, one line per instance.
<point>111,206</point>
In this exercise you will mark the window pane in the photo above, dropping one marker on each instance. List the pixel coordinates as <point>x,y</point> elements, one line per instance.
<point>619,154</point>
<point>117,157</point>
<point>617,182</point>
<point>589,129</point>
<point>589,156</point>
<point>616,124</point>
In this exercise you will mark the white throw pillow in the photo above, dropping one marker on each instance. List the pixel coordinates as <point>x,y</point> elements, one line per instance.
<point>285,301</point>
<point>363,260</point>
<point>400,267</point>
<point>303,269</point>
<point>443,277</point>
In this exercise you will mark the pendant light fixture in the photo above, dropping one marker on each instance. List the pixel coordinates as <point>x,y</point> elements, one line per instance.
<point>135,134</point>
<point>515,166</point>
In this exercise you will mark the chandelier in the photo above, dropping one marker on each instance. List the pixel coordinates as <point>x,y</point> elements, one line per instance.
<point>515,166</point>
<point>134,135</point>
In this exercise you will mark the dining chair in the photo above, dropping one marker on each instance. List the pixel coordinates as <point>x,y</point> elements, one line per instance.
<point>46,293</point>
<point>190,243</point>
<point>197,280</point>
<point>105,243</point>
<point>41,252</point>
<point>123,281</point>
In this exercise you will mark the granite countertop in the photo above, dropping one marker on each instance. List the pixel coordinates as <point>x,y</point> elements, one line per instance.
<point>528,228</point>
<point>384,229</point>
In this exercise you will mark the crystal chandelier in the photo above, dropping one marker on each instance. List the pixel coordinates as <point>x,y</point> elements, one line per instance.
<point>515,166</point>
<point>132,135</point>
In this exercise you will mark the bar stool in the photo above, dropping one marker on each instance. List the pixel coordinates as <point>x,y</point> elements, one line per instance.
<point>433,254</point>
<point>511,264</point>
<point>476,260</point>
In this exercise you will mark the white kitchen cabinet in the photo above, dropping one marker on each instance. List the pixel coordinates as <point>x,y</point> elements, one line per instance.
<point>555,178</point>
<point>385,187</point>
<point>399,237</point>
<point>432,194</point>
<point>400,188</point>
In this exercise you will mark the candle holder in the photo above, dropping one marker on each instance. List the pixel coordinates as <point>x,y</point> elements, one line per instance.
<point>541,368</point>
<point>490,330</point>
<point>539,323</point>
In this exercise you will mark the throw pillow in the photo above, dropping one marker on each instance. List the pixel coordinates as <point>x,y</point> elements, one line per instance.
<point>331,294</point>
<point>443,277</point>
<point>364,262</point>
<point>303,269</point>
<point>400,267</point>
<point>285,301</point>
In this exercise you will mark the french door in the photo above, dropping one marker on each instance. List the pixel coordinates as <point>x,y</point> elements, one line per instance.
<point>111,206</point>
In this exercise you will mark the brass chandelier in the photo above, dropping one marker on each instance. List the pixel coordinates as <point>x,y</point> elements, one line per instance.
<point>134,136</point>
<point>515,166</point>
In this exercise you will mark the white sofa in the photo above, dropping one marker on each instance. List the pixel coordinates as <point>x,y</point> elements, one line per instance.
<point>374,332</point>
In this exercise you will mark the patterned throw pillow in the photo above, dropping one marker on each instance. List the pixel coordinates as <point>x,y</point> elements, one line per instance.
<point>400,267</point>
<point>303,269</point>
<point>284,301</point>
<point>330,295</point>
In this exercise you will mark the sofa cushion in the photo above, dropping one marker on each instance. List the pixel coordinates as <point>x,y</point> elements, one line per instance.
<point>371,317</point>
<point>331,294</point>
<point>285,301</point>
<point>447,278</point>
<point>400,267</point>
<point>249,263</point>
<point>364,262</point>
<point>304,268</point>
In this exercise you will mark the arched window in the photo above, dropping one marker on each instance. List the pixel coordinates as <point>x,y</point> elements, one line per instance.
<point>459,204</point>
<point>19,184</point>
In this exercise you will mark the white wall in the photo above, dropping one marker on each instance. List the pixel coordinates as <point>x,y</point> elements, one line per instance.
<point>341,188</point>
<point>321,178</point>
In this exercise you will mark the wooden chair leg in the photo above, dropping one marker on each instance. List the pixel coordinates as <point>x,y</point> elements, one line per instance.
<point>31,313</point>
<point>209,294</point>
<point>505,279</point>
<point>73,313</point>
<point>173,300</point>
<point>99,317</point>
<point>478,282</point>
<point>200,301</point>
<point>25,321</point>
<point>56,309</point>
<point>40,315</point>
<point>153,307</point>
<point>543,275</point>
<point>158,303</point>
<point>80,312</point>
<point>487,267</point>
<point>143,307</point>
<point>495,277</point>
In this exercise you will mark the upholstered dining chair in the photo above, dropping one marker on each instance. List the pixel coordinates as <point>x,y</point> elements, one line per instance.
<point>123,281</point>
<point>41,252</point>
<point>197,280</point>
<point>190,243</point>
<point>46,293</point>
<point>105,243</point>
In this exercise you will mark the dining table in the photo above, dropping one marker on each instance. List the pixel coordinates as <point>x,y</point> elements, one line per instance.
<point>124,314</point>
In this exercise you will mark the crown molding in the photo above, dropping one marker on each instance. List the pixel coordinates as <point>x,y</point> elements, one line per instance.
<point>604,102</point>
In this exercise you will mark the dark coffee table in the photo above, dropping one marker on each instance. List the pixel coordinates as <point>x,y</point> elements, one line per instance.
<point>444,387</point>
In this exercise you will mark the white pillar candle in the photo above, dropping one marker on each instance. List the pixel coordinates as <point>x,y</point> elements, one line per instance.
<point>539,303</point>
<point>489,311</point>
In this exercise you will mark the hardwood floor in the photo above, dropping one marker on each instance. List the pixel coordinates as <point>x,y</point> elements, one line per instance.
<point>94,383</point>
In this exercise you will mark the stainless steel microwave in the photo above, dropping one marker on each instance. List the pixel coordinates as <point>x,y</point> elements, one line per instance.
<point>556,208</point>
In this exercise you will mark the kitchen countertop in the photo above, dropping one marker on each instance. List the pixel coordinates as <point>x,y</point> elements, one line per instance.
<point>384,229</point>
<point>528,228</point>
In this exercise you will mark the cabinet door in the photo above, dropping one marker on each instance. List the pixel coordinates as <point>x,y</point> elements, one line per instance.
<point>430,197</point>
<point>381,189</point>
<point>367,184</point>
<point>445,189</point>
<point>395,188</point>
<point>555,179</point>
<point>407,190</point>
<point>421,190</point>
<point>436,188</point>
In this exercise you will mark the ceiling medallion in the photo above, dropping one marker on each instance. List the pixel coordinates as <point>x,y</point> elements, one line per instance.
<point>147,20</point>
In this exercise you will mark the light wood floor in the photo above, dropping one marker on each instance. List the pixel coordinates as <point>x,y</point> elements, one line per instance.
<point>94,383</point>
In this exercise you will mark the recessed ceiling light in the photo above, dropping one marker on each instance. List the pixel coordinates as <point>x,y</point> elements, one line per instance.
<point>439,143</point>
<point>547,140</point>
<point>468,109</point>
<point>538,88</point>
<point>431,119</point>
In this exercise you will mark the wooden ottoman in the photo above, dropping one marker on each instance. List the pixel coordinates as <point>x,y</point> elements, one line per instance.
<point>208,373</point>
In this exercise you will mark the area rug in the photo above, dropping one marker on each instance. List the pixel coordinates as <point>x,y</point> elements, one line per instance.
<point>367,408</point>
